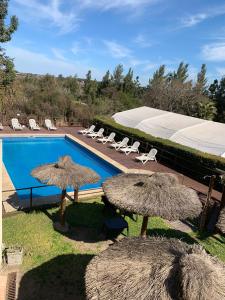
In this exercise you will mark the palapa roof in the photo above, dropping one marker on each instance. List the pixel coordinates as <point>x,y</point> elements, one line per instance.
<point>159,194</point>
<point>155,268</point>
<point>65,173</point>
<point>221,221</point>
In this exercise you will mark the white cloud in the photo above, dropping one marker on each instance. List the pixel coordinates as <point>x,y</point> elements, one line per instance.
<point>76,48</point>
<point>142,41</point>
<point>51,11</point>
<point>116,4</point>
<point>214,52</point>
<point>58,53</point>
<point>194,19</point>
<point>117,50</point>
<point>39,63</point>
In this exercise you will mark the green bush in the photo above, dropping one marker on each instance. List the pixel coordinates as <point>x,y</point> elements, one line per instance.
<point>184,158</point>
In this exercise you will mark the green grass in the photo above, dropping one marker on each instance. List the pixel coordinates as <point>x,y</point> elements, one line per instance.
<point>54,263</point>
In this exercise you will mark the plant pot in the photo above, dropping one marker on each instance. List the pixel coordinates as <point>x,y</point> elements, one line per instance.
<point>14,256</point>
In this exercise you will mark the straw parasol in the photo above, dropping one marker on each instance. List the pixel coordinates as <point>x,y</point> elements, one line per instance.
<point>221,221</point>
<point>159,194</point>
<point>155,268</point>
<point>65,173</point>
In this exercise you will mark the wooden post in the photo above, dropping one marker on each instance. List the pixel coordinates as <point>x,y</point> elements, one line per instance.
<point>144,227</point>
<point>76,195</point>
<point>206,207</point>
<point>222,201</point>
<point>62,208</point>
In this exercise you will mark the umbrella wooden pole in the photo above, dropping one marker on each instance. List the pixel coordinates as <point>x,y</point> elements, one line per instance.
<point>62,208</point>
<point>76,195</point>
<point>144,227</point>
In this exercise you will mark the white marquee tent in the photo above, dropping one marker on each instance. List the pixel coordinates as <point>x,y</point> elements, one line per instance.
<point>203,135</point>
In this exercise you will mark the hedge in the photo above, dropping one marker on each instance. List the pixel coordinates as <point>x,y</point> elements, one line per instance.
<point>199,162</point>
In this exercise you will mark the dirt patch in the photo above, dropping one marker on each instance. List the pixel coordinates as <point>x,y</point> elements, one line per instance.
<point>87,239</point>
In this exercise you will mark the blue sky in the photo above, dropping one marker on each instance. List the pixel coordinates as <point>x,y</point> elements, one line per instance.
<point>72,36</point>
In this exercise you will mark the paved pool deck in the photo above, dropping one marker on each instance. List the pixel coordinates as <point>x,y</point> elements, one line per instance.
<point>118,159</point>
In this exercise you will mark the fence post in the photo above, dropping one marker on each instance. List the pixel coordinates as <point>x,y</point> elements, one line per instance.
<point>31,197</point>
<point>205,210</point>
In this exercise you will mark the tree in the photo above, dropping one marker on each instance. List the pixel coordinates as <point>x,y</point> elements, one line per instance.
<point>90,88</point>
<point>207,110</point>
<point>118,77</point>
<point>128,83</point>
<point>6,31</point>
<point>201,84</point>
<point>158,76</point>
<point>105,83</point>
<point>182,72</point>
<point>217,94</point>
<point>7,71</point>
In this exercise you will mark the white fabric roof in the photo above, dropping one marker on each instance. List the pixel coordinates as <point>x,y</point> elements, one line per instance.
<point>133,117</point>
<point>203,135</point>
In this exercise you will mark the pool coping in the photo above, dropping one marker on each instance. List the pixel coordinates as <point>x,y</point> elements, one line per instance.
<point>82,194</point>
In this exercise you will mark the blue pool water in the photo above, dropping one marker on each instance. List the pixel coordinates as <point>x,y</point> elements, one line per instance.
<point>21,155</point>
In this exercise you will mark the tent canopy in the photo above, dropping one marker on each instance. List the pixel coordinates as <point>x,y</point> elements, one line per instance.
<point>203,135</point>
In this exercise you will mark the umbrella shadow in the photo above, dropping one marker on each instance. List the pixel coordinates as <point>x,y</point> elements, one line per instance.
<point>62,277</point>
<point>172,233</point>
<point>85,221</point>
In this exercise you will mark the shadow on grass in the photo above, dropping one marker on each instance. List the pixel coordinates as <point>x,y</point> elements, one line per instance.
<point>171,233</point>
<point>85,221</point>
<point>58,279</point>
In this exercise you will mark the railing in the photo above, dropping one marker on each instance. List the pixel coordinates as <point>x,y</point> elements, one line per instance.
<point>30,194</point>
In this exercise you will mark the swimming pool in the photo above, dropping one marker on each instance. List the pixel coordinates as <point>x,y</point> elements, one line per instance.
<point>22,154</point>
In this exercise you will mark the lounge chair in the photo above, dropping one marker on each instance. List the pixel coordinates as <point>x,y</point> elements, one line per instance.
<point>1,126</point>
<point>33,125</point>
<point>97,134</point>
<point>87,130</point>
<point>148,156</point>
<point>134,148</point>
<point>49,125</point>
<point>121,144</point>
<point>108,139</point>
<point>16,124</point>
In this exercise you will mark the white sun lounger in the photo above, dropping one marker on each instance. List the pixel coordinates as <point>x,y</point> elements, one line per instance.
<point>16,125</point>
<point>49,125</point>
<point>148,156</point>
<point>1,126</point>
<point>97,134</point>
<point>134,148</point>
<point>87,130</point>
<point>121,144</point>
<point>33,125</point>
<point>108,139</point>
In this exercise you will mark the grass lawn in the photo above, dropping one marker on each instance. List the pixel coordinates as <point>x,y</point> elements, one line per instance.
<point>54,264</point>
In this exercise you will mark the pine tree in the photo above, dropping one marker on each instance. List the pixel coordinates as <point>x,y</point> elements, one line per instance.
<point>106,80</point>
<point>128,83</point>
<point>118,76</point>
<point>90,88</point>
<point>158,76</point>
<point>201,81</point>
<point>182,72</point>
<point>217,94</point>
<point>6,31</point>
<point>7,71</point>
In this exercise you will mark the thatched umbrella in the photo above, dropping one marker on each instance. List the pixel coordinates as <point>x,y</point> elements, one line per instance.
<point>159,194</point>
<point>155,268</point>
<point>65,173</point>
<point>221,221</point>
